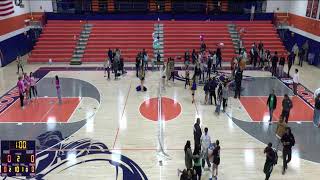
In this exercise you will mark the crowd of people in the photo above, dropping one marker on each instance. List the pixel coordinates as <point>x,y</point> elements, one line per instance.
<point>27,85</point>
<point>114,63</point>
<point>205,152</point>
<point>286,138</point>
<point>204,65</point>
<point>27,88</point>
<point>265,59</point>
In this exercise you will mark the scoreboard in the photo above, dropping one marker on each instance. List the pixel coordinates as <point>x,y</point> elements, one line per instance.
<point>18,158</point>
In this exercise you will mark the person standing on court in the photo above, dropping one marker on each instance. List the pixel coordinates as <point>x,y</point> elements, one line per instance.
<point>33,86</point>
<point>21,89</point>
<point>286,107</point>
<point>280,130</point>
<point>115,68</point>
<point>274,62</point>
<point>288,142</point>
<point>187,77</point>
<point>281,66</point>
<point>215,159</point>
<point>295,80</point>
<point>111,55</point>
<point>305,51</point>
<point>270,160</point>
<point>171,68</point>
<point>212,90</point>
<point>225,94</point>
<point>197,133</point>
<point>193,88</point>
<point>138,59</point>
<point>206,91</point>
<point>290,62</point>
<point>27,84</point>
<point>272,104</point>
<point>219,57</point>
<point>301,54</point>
<point>205,143</point>
<point>188,155</point>
<point>238,80</point>
<point>295,50</point>
<point>197,171</point>
<point>58,88</point>
<point>316,115</point>
<point>19,64</point>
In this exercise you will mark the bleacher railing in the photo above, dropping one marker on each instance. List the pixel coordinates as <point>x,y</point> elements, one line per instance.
<point>186,6</point>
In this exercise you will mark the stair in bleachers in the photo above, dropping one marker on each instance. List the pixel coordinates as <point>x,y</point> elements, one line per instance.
<point>180,36</point>
<point>261,31</point>
<point>110,5</point>
<point>95,5</point>
<point>234,36</point>
<point>57,41</point>
<point>158,29</point>
<point>81,45</point>
<point>129,36</point>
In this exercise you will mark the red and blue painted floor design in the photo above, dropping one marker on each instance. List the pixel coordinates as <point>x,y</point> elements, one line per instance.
<point>40,110</point>
<point>258,109</point>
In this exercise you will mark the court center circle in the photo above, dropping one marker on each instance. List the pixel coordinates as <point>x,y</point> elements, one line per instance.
<point>170,109</point>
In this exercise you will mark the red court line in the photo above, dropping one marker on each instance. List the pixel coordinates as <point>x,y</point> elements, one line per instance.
<point>40,110</point>
<point>124,108</point>
<point>257,108</point>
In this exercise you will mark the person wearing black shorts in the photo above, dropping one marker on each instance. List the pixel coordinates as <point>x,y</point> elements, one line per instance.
<point>193,89</point>
<point>197,163</point>
<point>286,107</point>
<point>187,81</point>
<point>216,159</point>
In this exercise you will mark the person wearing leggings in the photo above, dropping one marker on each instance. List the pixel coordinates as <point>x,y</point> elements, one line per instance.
<point>33,88</point>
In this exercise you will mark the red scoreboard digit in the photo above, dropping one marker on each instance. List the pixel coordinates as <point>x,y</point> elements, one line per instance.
<point>18,158</point>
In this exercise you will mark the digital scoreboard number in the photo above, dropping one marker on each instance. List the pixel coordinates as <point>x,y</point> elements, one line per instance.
<point>18,158</point>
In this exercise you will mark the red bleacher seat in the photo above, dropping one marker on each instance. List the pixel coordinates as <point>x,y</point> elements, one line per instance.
<point>180,36</point>
<point>264,32</point>
<point>57,41</point>
<point>129,36</point>
<point>59,38</point>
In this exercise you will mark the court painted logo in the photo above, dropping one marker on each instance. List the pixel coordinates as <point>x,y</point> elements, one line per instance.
<point>66,155</point>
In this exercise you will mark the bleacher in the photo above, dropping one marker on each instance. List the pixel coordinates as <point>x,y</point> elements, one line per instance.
<point>180,36</point>
<point>129,36</point>
<point>57,41</point>
<point>264,31</point>
<point>59,38</point>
